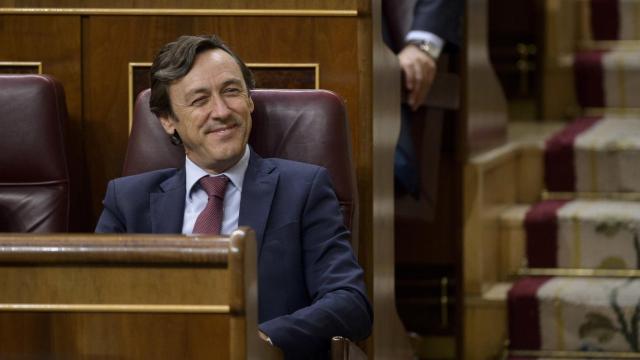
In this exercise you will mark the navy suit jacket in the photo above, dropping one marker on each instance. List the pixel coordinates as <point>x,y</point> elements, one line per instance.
<point>310,285</point>
<point>440,17</point>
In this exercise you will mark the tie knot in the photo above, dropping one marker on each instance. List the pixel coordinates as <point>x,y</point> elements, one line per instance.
<point>214,185</point>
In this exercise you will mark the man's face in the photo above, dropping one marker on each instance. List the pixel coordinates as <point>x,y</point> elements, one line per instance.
<point>213,111</point>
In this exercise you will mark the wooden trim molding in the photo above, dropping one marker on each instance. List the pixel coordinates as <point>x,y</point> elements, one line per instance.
<point>37,64</point>
<point>628,196</point>
<point>574,354</point>
<point>575,272</point>
<point>314,66</point>
<point>166,250</point>
<point>130,100</point>
<point>624,45</point>
<point>179,12</point>
<point>592,111</point>
<point>116,308</point>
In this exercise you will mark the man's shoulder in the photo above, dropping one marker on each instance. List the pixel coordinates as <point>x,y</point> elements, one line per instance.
<point>294,167</point>
<point>146,180</point>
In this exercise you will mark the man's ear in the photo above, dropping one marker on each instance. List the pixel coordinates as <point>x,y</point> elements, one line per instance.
<point>167,123</point>
<point>250,104</point>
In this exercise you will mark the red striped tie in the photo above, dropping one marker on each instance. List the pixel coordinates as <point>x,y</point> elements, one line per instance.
<point>210,219</point>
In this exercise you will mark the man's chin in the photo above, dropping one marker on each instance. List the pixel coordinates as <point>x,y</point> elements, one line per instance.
<point>226,160</point>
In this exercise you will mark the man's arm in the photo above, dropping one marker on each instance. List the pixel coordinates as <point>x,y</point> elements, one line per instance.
<point>110,220</point>
<point>334,281</point>
<point>439,17</point>
<point>435,22</point>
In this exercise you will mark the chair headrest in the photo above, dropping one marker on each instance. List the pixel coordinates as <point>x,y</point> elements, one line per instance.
<point>32,118</point>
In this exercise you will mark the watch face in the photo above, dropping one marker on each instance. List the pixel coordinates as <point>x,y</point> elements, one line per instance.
<point>429,48</point>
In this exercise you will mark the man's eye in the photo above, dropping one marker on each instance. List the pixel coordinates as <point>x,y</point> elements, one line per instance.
<point>232,90</point>
<point>199,101</point>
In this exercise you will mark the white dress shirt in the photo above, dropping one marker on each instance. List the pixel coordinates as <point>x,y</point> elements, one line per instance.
<point>196,198</point>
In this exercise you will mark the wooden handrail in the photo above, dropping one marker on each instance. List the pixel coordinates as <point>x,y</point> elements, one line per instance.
<point>116,249</point>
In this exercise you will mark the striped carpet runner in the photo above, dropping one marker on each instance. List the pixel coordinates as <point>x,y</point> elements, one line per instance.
<point>580,317</point>
<point>607,20</point>
<point>595,154</point>
<point>582,314</point>
<point>579,234</point>
<point>608,74</point>
<point>575,314</point>
<point>608,78</point>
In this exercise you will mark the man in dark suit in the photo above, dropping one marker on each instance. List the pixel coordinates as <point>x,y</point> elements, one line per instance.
<point>310,285</point>
<point>418,31</point>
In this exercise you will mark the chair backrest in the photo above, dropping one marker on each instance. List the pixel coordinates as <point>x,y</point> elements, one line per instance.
<point>34,180</point>
<point>302,125</point>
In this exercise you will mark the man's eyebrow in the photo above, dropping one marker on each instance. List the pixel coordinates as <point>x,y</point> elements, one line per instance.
<point>232,81</point>
<point>199,90</point>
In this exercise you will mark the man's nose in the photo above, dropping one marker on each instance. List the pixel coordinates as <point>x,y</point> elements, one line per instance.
<point>219,108</point>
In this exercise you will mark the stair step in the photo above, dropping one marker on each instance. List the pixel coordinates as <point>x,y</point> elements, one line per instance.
<point>570,355</point>
<point>574,314</point>
<point>583,234</point>
<point>596,155</point>
<point>607,78</point>
<point>615,20</point>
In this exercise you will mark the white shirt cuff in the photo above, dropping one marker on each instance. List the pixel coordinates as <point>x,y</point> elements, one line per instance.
<point>426,36</point>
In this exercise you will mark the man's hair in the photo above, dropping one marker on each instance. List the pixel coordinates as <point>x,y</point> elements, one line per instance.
<point>175,60</point>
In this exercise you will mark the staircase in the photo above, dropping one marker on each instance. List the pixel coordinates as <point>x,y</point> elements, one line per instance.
<point>578,291</point>
<point>552,234</point>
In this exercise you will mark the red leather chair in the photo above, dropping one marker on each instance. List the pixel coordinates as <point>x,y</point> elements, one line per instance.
<point>303,125</point>
<point>34,180</point>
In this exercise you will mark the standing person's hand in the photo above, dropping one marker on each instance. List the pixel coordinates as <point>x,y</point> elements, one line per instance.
<point>419,69</point>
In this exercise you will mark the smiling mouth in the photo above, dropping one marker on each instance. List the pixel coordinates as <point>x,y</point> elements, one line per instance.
<point>223,130</point>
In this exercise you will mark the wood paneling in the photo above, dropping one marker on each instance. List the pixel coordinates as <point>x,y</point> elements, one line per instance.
<point>74,336</point>
<point>122,285</point>
<point>376,149</point>
<point>187,4</point>
<point>284,77</point>
<point>485,328</point>
<point>486,125</point>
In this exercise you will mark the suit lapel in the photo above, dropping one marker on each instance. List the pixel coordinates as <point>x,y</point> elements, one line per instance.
<point>258,188</point>
<point>167,205</point>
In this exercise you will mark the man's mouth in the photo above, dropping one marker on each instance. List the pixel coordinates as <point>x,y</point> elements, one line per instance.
<point>222,129</point>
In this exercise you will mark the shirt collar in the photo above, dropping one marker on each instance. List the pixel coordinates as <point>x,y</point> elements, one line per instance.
<point>234,173</point>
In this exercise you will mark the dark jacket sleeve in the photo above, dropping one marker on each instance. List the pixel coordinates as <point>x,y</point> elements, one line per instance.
<point>111,220</point>
<point>335,281</point>
<point>440,17</point>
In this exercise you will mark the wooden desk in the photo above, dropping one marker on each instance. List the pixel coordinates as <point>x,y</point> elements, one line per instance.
<point>128,297</point>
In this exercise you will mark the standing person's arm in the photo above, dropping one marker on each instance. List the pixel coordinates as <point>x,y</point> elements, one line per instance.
<point>435,23</point>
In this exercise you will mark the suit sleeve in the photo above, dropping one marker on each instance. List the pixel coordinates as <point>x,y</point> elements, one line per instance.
<point>334,280</point>
<point>111,219</point>
<point>440,17</point>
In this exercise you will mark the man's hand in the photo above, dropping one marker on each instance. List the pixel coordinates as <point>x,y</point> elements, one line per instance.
<point>419,69</point>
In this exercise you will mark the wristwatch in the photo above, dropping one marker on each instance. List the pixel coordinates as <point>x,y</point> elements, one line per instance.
<point>427,47</point>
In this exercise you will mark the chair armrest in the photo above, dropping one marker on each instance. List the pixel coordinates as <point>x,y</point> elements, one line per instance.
<point>343,349</point>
